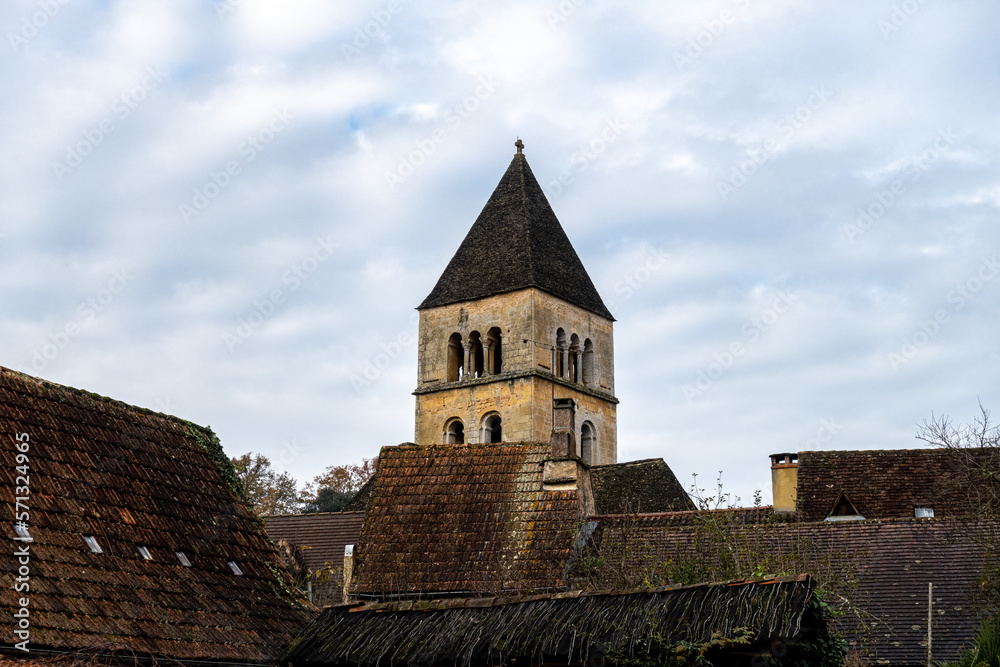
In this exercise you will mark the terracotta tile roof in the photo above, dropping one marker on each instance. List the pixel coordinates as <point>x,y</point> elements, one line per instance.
<point>643,486</point>
<point>463,519</point>
<point>321,538</point>
<point>515,243</point>
<point>571,628</point>
<point>889,561</point>
<point>881,484</point>
<point>130,478</point>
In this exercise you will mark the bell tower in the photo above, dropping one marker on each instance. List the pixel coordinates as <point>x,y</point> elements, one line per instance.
<point>515,343</point>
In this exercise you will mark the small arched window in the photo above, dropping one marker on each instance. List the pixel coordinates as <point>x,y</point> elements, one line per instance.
<point>588,362</point>
<point>494,348</point>
<point>456,357</point>
<point>454,432</point>
<point>492,430</point>
<point>574,358</point>
<point>476,354</point>
<point>560,361</point>
<point>588,443</point>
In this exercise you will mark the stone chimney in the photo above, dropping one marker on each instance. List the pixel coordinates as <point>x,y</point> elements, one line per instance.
<point>348,571</point>
<point>562,445</point>
<point>784,482</point>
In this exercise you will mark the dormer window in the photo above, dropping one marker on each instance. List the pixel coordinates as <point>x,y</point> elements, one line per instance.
<point>844,510</point>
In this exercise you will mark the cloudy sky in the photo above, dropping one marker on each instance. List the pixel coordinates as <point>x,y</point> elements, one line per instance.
<point>228,210</point>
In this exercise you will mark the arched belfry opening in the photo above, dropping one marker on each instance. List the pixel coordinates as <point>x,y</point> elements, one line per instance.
<point>476,358</point>
<point>588,443</point>
<point>494,351</point>
<point>456,357</point>
<point>492,429</point>
<point>588,362</point>
<point>454,432</point>
<point>560,352</point>
<point>574,358</point>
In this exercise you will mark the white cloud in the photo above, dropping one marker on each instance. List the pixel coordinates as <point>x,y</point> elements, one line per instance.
<point>359,114</point>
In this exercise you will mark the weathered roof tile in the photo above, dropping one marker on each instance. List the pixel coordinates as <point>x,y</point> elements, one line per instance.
<point>134,478</point>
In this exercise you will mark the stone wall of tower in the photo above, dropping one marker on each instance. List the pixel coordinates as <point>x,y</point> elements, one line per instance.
<point>523,392</point>
<point>552,313</point>
<point>511,312</point>
<point>525,404</point>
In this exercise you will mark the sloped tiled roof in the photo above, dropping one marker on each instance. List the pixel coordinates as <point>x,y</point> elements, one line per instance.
<point>464,519</point>
<point>130,478</point>
<point>643,486</point>
<point>881,484</point>
<point>515,243</point>
<point>565,628</point>
<point>321,538</point>
<point>886,563</point>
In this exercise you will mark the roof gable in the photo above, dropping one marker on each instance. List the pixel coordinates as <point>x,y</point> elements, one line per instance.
<point>133,478</point>
<point>516,243</point>
<point>844,508</point>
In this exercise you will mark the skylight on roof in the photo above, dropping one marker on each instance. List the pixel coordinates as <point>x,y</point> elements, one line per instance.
<point>22,532</point>
<point>923,512</point>
<point>182,558</point>
<point>235,568</point>
<point>144,552</point>
<point>92,543</point>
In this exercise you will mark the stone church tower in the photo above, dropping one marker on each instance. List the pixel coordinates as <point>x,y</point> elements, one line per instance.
<point>515,343</point>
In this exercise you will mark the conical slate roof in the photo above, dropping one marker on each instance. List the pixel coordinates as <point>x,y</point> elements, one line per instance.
<point>516,242</point>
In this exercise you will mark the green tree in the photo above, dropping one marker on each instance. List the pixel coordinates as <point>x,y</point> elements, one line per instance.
<point>268,491</point>
<point>332,490</point>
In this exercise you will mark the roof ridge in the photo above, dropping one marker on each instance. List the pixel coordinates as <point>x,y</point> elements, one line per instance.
<point>522,163</point>
<point>97,397</point>
<point>628,463</point>
<point>890,450</point>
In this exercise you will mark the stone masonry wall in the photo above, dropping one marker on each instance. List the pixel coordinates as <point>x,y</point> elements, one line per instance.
<point>528,320</point>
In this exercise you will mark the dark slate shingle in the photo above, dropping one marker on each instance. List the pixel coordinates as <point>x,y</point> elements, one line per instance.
<point>516,243</point>
<point>643,486</point>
